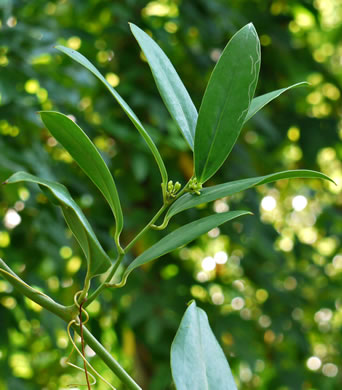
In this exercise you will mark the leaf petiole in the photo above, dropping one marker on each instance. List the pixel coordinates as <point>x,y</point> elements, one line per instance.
<point>169,202</point>
<point>109,277</point>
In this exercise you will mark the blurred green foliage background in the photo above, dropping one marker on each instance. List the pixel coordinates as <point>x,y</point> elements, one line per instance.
<point>270,283</point>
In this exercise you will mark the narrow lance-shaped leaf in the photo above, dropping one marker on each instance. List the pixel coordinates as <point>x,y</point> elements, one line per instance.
<point>170,86</point>
<point>197,360</point>
<point>226,102</point>
<point>78,57</point>
<point>180,237</point>
<point>209,194</point>
<point>97,260</point>
<point>261,101</point>
<point>84,152</point>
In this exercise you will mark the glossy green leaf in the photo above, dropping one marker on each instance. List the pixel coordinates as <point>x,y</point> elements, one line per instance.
<point>84,152</point>
<point>197,360</point>
<point>97,260</point>
<point>226,102</point>
<point>261,101</point>
<point>209,194</point>
<point>78,57</point>
<point>171,88</point>
<point>180,237</point>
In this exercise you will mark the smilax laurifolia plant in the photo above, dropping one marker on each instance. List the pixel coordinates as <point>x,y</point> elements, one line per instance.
<point>197,361</point>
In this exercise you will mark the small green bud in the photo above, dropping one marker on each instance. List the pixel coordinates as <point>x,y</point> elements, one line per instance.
<point>177,186</point>
<point>170,186</point>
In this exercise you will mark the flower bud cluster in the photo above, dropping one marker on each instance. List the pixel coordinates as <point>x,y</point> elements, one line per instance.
<point>194,186</point>
<point>172,189</point>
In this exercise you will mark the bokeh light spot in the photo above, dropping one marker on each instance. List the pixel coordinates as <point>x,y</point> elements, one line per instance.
<point>73,264</point>
<point>208,263</point>
<point>113,79</point>
<point>293,133</point>
<point>221,257</point>
<point>11,219</point>
<point>268,203</point>
<point>330,370</point>
<point>238,303</point>
<point>313,363</point>
<point>4,239</point>
<point>74,43</point>
<point>65,252</point>
<point>31,86</point>
<point>299,202</point>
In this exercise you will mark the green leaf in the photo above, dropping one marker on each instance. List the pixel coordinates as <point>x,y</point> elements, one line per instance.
<point>197,360</point>
<point>226,101</point>
<point>78,57</point>
<point>97,260</point>
<point>260,102</point>
<point>180,237</point>
<point>84,152</point>
<point>216,192</point>
<point>170,86</point>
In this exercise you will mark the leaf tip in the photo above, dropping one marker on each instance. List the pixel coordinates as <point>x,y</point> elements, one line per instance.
<point>4,182</point>
<point>192,301</point>
<point>303,84</point>
<point>251,27</point>
<point>132,26</point>
<point>243,213</point>
<point>329,178</point>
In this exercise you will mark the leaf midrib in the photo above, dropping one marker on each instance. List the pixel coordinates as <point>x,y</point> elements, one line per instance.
<point>96,161</point>
<point>215,135</point>
<point>202,349</point>
<point>187,120</point>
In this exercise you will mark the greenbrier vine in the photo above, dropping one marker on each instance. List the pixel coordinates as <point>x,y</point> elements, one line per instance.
<point>228,103</point>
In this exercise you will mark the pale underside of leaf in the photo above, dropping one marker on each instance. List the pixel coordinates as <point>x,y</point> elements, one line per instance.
<point>78,57</point>
<point>97,260</point>
<point>170,86</point>
<point>197,360</point>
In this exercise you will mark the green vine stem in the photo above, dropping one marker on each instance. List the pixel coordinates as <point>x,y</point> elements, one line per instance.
<point>115,266</point>
<point>107,358</point>
<point>108,278</point>
<point>67,313</point>
<point>170,201</point>
<point>64,312</point>
<point>153,220</point>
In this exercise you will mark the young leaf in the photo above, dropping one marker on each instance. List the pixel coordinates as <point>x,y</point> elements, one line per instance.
<point>180,237</point>
<point>197,360</point>
<point>84,152</point>
<point>78,57</point>
<point>171,88</point>
<point>97,260</point>
<point>216,192</point>
<point>260,102</point>
<point>226,101</point>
